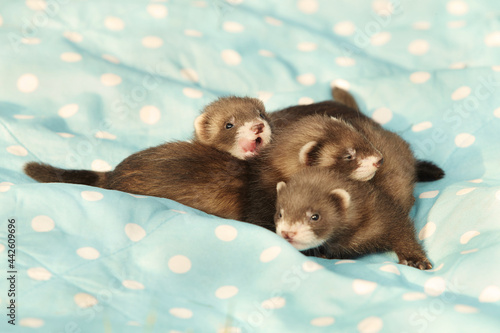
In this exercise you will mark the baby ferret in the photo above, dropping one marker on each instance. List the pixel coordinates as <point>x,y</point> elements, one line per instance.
<point>208,174</point>
<point>315,140</point>
<point>337,218</point>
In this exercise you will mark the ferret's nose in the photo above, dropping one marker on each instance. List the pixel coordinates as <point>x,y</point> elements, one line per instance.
<point>258,128</point>
<point>288,234</point>
<point>379,163</point>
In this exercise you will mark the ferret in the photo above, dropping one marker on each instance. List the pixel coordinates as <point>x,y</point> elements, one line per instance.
<point>325,214</point>
<point>209,173</point>
<point>315,140</point>
<point>400,171</point>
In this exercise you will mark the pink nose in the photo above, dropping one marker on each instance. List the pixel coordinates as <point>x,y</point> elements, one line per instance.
<point>288,235</point>
<point>379,163</point>
<point>258,128</point>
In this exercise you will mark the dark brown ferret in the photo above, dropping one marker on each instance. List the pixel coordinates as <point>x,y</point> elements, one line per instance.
<point>338,218</point>
<point>203,174</point>
<point>315,140</point>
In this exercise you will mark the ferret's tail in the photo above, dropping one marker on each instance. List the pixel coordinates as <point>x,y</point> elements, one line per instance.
<point>45,173</point>
<point>342,96</point>
<point>428,171</point>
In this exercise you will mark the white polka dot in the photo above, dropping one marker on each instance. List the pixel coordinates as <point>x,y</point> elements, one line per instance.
<point>435,286</point>
<point>457,7</point>
<point>133,323</point>
<point>344,28</point>
<point>458,65</point>
<point>150,114</point>
<point>23,116</point>
<point>457,24</point>
<point>84,300</point>
<point>382,115</point>
<point>340,83</point>
<point>266,53</point>
<point>437,268</point>
<point>226,233</point>
<point>305,101</point>
<point>370,325</point>
<point>181,313</point>
<point>466,190</point>
<point>42,223</point>
<point>476,181</point>
<point>157,10</point>
<point>31,41</point>
<point>307,46</point>
<point>421,25</point>
<point>345,61</point>
<point>134,232</point>
<point>311,266</point>
<point>233,27</point>
<point>39,273</point>
<point>73,36</point>
<point>496,113</point>
<point>114,23</point>
<point>27,83</point>
<point>418,47</point>
<point>105,135</point>
<point>100,165</point>
<point>465,308</point>
<point>390,269</point>
<point>428,195</point>
<point>226,292</point>
<point>270,254</point>
<point>131,284</point>
<point>307,79</point>
<point>490,294</point>
<point>427,231</point>
<point>421,126</point>
<point>179,264</point>
<point>152,42</point>
<point>363,287</point>
<point>36,4</point>
<point>189,74</point>
<point>495,68</point>
<point>235,2</point>
<point>464,140</point>
<point>1,20</point>
<point>92,195</point>
<point>5,186</point>
<point>110,79</point>
<point>273,21</point>
<point>383,7</point>
<point>231,57</point>
<point>199,4</point>
<point>273,303</point>
<point>461,93</point>
<point>264,96</point>
<point>322,321</point>
<point>192,93</point>
<point>71,57</point>
<point>17,150</point>
<point>31,322</point>
<point>88,253</point>
<point>192,33</point>
<point>345,261</point>
<point>68,110</point>
<point>2,247</point>
<point>381,38</point>
<point>414,296</point>
<point>492,39</point>
<point>111,58</point>
<point>66,135</point>
<point>420,77</point>
<point>497,195</point>
<point>469,251</point>
<point>308,6</point>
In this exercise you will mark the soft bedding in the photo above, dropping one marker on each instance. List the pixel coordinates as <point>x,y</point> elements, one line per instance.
<point>84,84</point>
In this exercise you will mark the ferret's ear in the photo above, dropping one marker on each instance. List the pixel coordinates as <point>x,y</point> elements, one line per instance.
<point>305,157</point>
<point>280,186</point>
<point>199,127</point>
<point>343,196</point>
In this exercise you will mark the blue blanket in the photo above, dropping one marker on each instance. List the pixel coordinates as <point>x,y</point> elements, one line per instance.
<point>84,84</point>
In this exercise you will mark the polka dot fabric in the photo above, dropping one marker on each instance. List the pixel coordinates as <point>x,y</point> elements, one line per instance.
<point>89,83</point>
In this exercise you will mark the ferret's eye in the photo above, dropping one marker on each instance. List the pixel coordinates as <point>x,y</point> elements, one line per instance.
<point>262,115</point>
<point>314,217</point>
<point>348,157</point>
<point>229,126</point>
<point>279,215</point>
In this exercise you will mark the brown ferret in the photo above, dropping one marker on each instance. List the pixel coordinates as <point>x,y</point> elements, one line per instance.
<point>400,171</point>
<point>208,174</point>
<point>338,218</point>
<point>315,140</point>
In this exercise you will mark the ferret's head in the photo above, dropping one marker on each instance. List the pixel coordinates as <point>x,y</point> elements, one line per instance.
<point>238,125</point>
<point>310,209</point>
<point>343,149</point>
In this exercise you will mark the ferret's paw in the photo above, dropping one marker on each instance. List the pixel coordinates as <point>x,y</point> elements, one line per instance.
<point>420,263</point>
